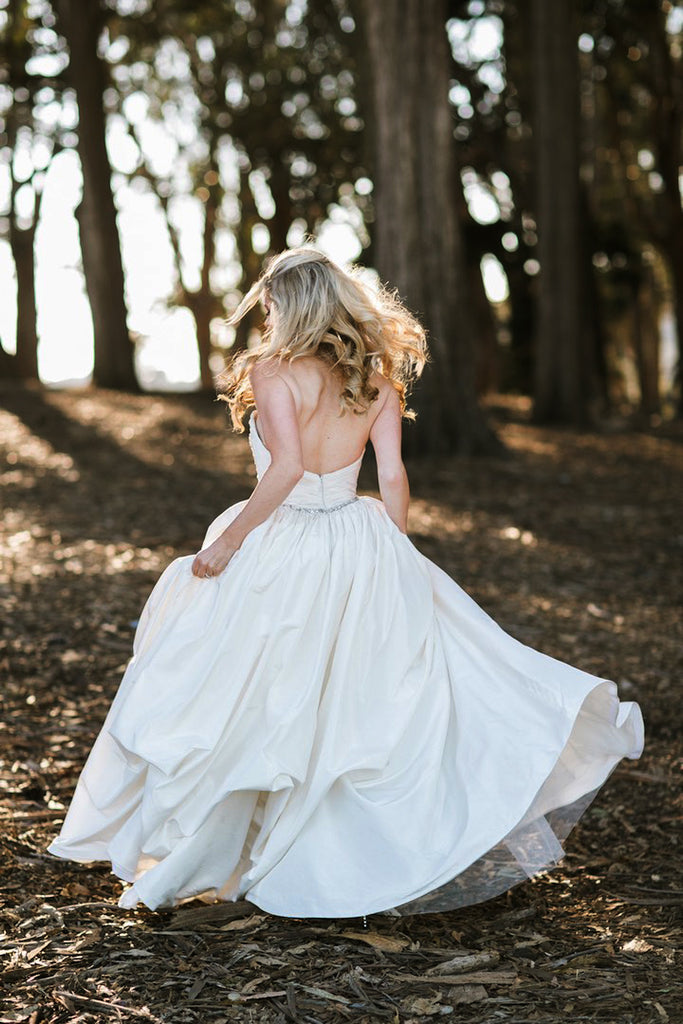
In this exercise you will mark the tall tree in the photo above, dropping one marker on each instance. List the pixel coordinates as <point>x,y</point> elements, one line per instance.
<point>657,74</point>
<point>559,386</point>
<point>418,241</point>
<point>29,141</point>
<point>22,243</point>
<point>80,21</point>
<point>22,233</point>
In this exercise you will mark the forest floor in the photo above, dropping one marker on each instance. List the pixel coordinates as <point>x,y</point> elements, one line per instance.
<point>573,544</point>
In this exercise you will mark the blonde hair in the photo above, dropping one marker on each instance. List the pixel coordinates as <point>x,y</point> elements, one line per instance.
<point>324,311</point>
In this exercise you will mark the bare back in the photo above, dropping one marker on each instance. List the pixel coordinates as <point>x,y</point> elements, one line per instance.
<point>329,441</point>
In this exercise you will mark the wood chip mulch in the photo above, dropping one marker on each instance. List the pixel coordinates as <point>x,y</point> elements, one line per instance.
<point>574,544</point>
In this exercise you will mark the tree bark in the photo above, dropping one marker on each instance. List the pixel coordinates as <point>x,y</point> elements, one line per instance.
<point>203,308</point>
<point>517,361</point>
<point>279,223</point>
<point>559,384</point>
<point>668,89</point>
<point>80,22</point>
<point>23,365</point>
<point>646,344</point>
<point>26,355</point>
<point>486,362</point>
<point>417,234</point>
<point>251,262</point>
<point>207,305</point>
<point>676,267</point>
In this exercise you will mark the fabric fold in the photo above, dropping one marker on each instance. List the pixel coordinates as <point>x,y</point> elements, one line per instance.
<point>332,727</point>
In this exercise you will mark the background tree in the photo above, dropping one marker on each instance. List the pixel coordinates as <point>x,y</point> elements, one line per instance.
<point>279,118</point>
<point>418,237</point>
<point>267,90</point>
<point>642,120</point>
<point>560,391</point>
<point>30,140</point>
<point>81,22</point>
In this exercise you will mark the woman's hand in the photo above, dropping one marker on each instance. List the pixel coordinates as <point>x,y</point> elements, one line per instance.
<point>212,561</point>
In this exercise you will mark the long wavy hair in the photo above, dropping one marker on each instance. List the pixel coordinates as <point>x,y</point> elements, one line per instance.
<point>321,310</point>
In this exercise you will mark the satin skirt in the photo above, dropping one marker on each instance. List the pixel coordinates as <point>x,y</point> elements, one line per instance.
<point>332,727</point>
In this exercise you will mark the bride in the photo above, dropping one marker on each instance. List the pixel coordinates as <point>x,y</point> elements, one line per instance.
<point>315,716</point>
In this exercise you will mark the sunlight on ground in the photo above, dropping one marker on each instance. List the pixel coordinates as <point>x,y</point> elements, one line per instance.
<point>29,451</point>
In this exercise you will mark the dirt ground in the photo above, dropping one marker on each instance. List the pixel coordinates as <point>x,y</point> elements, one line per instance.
<point>574,544</point>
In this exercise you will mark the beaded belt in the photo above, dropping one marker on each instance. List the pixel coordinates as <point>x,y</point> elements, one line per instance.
<point>328,508</point>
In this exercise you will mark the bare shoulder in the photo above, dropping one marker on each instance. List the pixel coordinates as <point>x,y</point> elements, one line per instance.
<point>388,395</point>
<point>268,375</point>
<point>263,369</point>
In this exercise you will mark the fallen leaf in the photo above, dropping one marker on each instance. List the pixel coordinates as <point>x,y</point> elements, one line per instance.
<point>242,922</point>
<point>424,1006</point>
<point>387,943</point>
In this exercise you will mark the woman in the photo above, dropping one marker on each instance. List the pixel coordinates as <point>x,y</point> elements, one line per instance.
<point>316,717</point>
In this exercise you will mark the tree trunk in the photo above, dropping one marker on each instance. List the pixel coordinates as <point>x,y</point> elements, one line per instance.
<point>280,222</point>
<point>517,357</point>
<point>23,364</point>
<point>80,22</point>
<point>517,369</point>
<point>8,370</point>
<point>204,347</point>
<point>675,262</point>
<point>207,306</point>
<point>22,245</point>
<point>646,344</point>
<point>487,376</point>
<point>417,236</point>
<point>594,370</point>
<point>559,385</point>
<point>666,66</point>
<point>203,310</point>
<point>250,261</point>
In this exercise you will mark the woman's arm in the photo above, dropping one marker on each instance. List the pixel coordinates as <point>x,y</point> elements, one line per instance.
<point>391,473</point>
<point>279,424</point>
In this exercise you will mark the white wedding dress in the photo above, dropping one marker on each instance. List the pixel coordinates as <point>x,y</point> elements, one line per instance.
<point>332,727</point>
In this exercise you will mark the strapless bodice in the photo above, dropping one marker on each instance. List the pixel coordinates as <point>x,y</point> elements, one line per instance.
<point>324,491</point>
